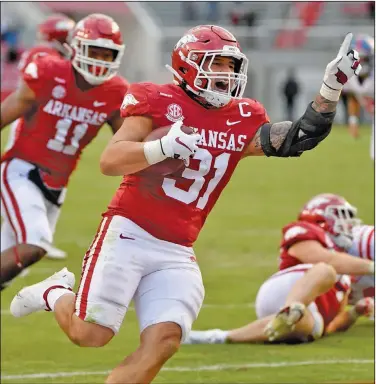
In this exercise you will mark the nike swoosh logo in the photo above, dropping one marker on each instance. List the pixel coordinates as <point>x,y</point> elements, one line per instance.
<point>126,237</point>
<point>181,143</point>
<point>233,122</point>
<point>98,103</point>
<point>59,80</point>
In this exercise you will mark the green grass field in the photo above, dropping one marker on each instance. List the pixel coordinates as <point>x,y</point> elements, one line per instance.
<point>237,251</point>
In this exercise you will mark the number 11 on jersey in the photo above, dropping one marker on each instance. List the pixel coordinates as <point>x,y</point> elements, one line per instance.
<point>62,128</point>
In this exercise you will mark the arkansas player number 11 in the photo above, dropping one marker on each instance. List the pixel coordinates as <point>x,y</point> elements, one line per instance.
<point>62,128</point>
<point>207,161</point>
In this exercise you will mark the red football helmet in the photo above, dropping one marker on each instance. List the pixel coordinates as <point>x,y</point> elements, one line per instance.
<point>101,31</point>
<point>334,214</point>
<point>55,28</point>
<point>192,59</point>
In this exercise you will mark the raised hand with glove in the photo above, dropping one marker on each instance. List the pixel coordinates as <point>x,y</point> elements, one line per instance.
<point>316,123</point>
<point>340,70</point>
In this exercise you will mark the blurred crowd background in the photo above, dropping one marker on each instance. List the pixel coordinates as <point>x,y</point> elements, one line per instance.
<point>288,43</point>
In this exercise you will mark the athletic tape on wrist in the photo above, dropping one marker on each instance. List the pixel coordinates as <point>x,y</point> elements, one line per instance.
<point>329,93</point>
<point>153,152</point>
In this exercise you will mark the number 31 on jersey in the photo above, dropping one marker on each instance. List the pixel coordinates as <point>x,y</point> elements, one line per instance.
<point>207,161</point>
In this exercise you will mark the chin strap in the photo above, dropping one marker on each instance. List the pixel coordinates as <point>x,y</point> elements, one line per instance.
<point>172,70</point>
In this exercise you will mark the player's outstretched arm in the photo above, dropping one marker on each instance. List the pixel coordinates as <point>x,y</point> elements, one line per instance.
<point>347,318</point>
<point>312,252</point>
<point>344,319</point>
<point>17,104</point>
<point>290,139</point>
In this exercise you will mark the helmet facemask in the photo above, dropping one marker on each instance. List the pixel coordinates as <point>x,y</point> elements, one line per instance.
<point>218,88</point>
<point>344,219</point>
<point>96,71</point>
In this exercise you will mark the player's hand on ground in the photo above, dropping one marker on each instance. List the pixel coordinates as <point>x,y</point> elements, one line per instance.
<point>178,144</point>
<point>340,70</point>
<point>365,307</point>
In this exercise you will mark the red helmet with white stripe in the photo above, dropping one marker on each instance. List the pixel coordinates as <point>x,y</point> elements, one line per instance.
<point>55,28</point>
<point>334,214</point>
<point>193,58</point>
<point>97,31</point>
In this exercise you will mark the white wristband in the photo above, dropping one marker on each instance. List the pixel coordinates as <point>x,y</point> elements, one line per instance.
<point>372,268</point>
<point>153,152</point>
<point>353,120</point>
<point>329,94</point>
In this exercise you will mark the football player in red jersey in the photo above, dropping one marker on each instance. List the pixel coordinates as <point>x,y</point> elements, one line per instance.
<point>324,233</point>
<point>52,35</point>
<point>313,298</point>
<point>61,104</point>
<point>321,309</point>
<point>143,247</point>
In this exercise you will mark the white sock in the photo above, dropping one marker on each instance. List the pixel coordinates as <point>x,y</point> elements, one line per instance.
<point>221,336</point>
<point>55,294</point>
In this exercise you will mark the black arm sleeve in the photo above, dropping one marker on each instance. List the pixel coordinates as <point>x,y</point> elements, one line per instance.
<point>304,134</point>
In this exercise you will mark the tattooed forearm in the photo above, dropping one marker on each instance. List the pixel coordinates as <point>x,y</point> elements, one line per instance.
<point>254,148</point>
<point>257,140</point>
<point>323,105</point>
<point>278,133</point>
<point>291,139</point>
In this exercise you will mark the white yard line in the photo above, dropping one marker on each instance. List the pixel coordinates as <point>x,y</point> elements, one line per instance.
<point>217,367</point>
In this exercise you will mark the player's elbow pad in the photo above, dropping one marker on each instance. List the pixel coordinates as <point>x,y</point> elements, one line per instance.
<point>303,135</point>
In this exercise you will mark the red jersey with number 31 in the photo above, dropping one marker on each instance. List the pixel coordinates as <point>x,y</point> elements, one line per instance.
<point>65,120</point>
<point>174,208</point>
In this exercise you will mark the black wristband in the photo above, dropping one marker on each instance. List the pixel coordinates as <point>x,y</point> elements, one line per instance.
<point>266,145</point>
<point>304,134</point>
<point>316,122</point>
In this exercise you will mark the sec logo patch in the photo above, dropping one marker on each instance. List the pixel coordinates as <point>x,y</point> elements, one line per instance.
<point>174,113</point>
